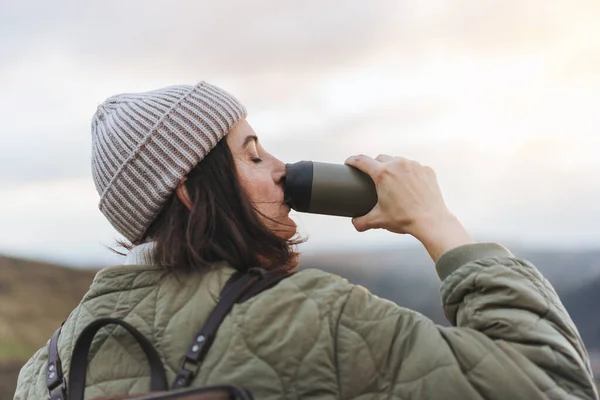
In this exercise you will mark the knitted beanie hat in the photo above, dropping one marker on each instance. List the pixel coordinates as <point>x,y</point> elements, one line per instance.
<point>143,144</point>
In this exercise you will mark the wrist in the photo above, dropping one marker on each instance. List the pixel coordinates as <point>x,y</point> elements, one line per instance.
<point>441,235</point>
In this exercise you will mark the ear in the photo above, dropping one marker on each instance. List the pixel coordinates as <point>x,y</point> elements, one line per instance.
<point>183,195</point>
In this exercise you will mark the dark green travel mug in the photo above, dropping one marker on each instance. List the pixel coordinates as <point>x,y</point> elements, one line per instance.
<point>329,189</point>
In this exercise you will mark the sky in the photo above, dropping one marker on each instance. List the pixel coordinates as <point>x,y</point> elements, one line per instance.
<point>501,98</point>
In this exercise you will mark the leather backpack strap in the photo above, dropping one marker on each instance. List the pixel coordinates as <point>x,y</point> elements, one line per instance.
<point>81,350</point>
<point>268,281</point>
<point>55,380</point>
<point>238,288</point>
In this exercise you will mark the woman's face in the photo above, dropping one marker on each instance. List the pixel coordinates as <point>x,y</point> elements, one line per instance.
<point>261,175</point>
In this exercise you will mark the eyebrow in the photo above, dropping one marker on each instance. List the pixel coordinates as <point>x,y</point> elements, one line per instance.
<point>249,139</point>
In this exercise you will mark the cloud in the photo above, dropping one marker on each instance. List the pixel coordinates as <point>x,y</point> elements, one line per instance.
<point>240,38</point>
<point>57,221</point>
<point>225,37</point>
<point>499,96</point>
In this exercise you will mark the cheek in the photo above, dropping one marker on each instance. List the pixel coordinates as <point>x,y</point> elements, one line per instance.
<point>259,186</point>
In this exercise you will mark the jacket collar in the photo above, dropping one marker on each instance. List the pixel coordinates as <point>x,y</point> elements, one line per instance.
<point>140,255</point>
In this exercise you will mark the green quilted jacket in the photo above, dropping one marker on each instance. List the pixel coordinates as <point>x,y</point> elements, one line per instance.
<point>316,336</point>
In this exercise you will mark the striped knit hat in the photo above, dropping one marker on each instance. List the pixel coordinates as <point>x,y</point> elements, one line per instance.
<point>143,144</point>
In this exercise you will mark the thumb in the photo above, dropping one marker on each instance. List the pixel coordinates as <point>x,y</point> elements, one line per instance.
<point>369,221</point>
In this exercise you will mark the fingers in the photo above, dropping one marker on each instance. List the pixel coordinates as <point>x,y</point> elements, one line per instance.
<point>364,163</point>
<point>407,192</point>
<point>361,224</point>
<point>384,158</point>
<point>370,221</point>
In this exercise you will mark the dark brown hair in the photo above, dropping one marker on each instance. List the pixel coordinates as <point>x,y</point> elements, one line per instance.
<point>223,226</point>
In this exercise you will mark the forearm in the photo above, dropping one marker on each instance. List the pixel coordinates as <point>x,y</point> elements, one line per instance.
<point>441,234</point>
<point>487,289</point>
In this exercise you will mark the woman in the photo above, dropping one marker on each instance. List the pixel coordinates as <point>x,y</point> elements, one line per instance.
<point>184,178</point>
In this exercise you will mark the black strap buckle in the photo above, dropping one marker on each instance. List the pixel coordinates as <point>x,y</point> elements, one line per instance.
<point>55,381</point>
<point>185,375</point>
<point>234,290</point>
<point>58,391</point>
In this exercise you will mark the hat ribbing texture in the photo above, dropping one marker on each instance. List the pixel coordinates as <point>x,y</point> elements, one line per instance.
<point>144,144</point>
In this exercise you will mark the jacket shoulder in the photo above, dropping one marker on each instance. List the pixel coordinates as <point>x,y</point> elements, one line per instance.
<point>312,276</point>
<point>319,285</point>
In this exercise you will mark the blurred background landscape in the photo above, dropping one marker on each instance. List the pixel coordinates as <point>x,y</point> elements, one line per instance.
<point>501,98</point>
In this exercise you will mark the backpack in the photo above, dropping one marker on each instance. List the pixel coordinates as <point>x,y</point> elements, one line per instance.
<point>239,288</point>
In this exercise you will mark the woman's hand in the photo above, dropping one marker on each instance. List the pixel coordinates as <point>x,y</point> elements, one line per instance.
<point>409,202</point>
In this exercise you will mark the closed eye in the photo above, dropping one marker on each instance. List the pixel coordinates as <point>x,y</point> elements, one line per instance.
<point>257,160</point>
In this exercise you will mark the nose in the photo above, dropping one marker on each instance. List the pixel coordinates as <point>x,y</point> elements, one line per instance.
<point>279,172</point>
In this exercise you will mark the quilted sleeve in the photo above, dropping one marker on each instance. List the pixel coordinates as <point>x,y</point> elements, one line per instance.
<point>511,338</point>
<point>31,381</point>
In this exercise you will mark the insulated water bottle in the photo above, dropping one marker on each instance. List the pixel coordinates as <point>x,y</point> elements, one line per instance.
<point>329,189</point>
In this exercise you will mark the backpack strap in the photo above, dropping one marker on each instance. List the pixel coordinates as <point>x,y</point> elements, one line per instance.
<point>55,382</point>
<point>79,359</point>
<point>239,288</point>
<point>268,280</point>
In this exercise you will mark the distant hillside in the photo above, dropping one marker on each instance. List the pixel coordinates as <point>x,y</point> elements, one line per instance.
<point>35,297</point>
<point>567,269</point>
<point>582,305</point>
